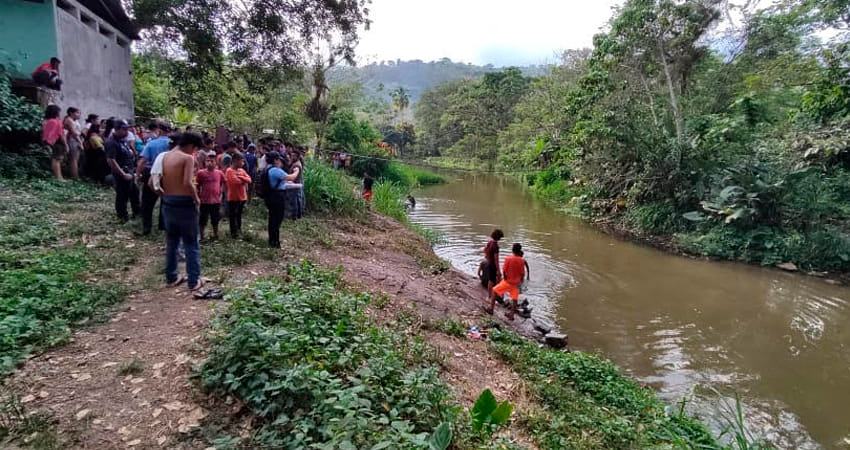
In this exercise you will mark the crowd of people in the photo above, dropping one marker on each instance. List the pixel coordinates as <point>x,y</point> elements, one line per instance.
<point>198,182</point>
<point>195,181</point>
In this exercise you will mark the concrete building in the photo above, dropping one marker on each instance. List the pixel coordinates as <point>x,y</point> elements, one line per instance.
<point>91,38</point>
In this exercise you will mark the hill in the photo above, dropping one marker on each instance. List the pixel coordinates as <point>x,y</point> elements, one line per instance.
<point>416,76</point>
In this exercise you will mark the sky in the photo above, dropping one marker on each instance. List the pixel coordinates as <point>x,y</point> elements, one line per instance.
<point>498,32</point>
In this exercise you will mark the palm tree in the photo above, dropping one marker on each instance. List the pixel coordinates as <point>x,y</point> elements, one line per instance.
<point>401,99</point>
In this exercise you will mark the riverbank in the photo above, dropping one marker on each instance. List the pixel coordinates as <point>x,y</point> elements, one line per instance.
<point>661,227</point>
<point>355,297</point>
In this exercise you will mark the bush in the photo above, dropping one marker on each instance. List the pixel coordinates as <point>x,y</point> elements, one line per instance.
<point>16,114</point>
<point>388,199</point>
<point>330,191</point>
<point>303,357</point>
<point>823,249</point>
<point>655,218</point>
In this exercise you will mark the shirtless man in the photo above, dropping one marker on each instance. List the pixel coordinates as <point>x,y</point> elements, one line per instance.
<point>180,204</point>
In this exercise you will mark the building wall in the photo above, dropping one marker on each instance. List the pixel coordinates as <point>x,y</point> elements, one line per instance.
<point>96,66</point>
<point>27,34</point>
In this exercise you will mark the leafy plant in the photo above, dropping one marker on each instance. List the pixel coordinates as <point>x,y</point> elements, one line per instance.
<point>303,357</point>
<point>487,412</point>
<point>441,438</point>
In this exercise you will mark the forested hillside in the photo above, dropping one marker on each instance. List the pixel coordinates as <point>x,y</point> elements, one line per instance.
<point>416,76</point>
<point>740,154</point>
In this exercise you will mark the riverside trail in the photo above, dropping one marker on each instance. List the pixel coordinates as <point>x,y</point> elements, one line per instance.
<point>128,382</point>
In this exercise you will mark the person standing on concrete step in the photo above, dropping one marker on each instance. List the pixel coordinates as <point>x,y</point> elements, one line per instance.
<point>122,162</point>
<point>160,143</point>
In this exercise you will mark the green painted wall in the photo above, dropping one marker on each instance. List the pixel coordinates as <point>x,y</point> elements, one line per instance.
<point>27,34</point>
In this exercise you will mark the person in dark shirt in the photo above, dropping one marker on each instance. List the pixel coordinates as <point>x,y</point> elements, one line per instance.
<point>368,182</point>
<point>491,257</point>
<point>122,161</point>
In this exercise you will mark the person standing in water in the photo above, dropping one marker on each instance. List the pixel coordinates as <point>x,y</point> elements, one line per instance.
<point>180,204</point>
<point>514,271</point>
<point>491,257</point>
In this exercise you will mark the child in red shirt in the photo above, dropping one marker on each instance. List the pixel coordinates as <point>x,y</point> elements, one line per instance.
<point>210,183</point>
<point>513,272</point>
<point>237,180</point>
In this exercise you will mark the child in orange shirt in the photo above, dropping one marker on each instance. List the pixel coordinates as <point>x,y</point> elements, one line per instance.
<point>513,272</point>
<point>237,181</point>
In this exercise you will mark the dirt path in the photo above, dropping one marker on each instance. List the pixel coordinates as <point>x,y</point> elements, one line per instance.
<point>126,383</point>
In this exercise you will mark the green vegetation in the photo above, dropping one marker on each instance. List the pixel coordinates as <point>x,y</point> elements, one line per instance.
<point>415,77</point>
<point>45,286</point>
<point>388,199</point>
<point>739,155</point>
<point>301,354</point>
<point>587,403</point>
<point>330,191</point>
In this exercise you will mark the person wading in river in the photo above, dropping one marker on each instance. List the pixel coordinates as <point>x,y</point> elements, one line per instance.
<point>491,258</point>
<point>514,271</point>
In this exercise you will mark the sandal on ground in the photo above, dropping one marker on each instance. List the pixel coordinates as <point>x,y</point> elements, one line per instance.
<point>197,286</point>
<point>210,294</point>
<point>488,310</point>
<point>180,280</point>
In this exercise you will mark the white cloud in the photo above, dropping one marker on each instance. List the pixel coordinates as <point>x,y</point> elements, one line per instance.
<point>498,32</point>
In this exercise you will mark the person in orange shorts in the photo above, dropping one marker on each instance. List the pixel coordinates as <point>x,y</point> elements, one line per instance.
<point>513,272</point>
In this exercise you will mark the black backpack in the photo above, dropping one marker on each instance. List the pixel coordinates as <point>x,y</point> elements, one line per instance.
<point>264,185</point>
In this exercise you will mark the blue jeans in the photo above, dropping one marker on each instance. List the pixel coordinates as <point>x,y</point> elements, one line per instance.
<point>181,224</point>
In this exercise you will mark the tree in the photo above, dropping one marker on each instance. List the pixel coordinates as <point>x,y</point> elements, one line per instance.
<point>261,33</point>
<point>400,136</point>
<point>401,100</point>
<point>152,90</point>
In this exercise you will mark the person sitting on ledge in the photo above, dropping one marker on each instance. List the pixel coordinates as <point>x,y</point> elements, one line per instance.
<point>47,74</point>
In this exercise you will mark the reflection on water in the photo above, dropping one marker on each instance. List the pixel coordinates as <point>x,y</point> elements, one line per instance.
<point>692,329</point>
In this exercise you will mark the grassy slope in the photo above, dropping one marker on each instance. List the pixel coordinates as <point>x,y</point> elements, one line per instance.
<point>306,337</point>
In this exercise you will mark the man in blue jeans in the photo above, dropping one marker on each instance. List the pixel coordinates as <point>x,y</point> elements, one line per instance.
<point>180,205</point>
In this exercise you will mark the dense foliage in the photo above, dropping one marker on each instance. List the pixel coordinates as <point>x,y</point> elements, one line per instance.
<point>730,138</point>
<point>20,121</point>
<point>267,34</point>
<point>308,364</point>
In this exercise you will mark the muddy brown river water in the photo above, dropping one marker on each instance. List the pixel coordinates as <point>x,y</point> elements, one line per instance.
<point>693,329</point>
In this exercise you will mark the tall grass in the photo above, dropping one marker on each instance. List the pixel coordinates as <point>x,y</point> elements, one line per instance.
<point>388,199</point>
<point>330,191</point>
<point>410,176</point>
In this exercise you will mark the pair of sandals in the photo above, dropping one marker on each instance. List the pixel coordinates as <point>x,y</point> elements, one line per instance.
<point>206,294</point>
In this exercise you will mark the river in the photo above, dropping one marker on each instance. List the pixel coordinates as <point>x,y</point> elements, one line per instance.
<point>694,329</point>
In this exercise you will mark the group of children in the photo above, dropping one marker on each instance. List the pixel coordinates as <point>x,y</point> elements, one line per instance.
<point>506,281</point>
<point>226,183</point>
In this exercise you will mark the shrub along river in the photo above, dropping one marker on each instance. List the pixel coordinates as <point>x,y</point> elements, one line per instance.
<point>690,328</point>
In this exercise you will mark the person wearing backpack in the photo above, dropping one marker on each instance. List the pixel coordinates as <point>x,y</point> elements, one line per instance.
<point>273,183</point>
